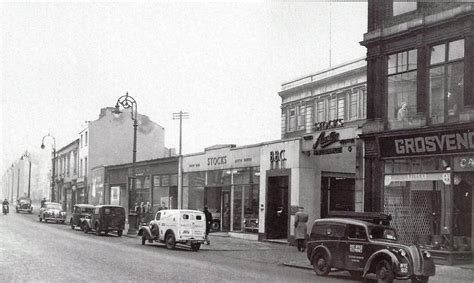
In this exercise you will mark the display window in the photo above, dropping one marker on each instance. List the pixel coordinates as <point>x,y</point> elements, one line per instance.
<point>430,203</point>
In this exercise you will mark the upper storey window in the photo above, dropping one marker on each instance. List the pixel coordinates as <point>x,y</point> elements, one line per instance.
<point>403,7</point>
<point>446,88</point>
<point>401,89</point>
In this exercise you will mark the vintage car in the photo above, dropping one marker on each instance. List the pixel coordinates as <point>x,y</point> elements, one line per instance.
<point>363,247</point>
<point>251,224</point>
<point>174,226</point>
<point>52,211</point>
<point>105,218</point>
<point>24,204</point>
<point>79,213</point>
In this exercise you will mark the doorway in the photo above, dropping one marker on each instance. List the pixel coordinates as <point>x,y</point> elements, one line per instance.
<point>337,194</point>
<point>276,218</point>
<point>217,200</point>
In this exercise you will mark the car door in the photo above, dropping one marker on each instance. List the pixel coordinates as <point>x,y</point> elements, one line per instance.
<point>357,244</point>
<point>336,243</point>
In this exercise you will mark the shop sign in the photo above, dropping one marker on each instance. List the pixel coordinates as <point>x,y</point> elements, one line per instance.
<point>140,171</point>
<point>216,161</point>
<point>277,156</point>
<point>445,177</point>
<point>336,123</point>
<point>324,141</point>
<point>456,141</point>
<point>464,163</point>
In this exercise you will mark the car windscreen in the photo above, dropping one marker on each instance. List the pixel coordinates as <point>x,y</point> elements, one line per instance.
<point>88,210</point>
<point>113,210</point>
<point>53,206</point>
<point>382,233</point>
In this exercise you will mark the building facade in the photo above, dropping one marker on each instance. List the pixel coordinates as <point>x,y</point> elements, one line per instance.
<point>66,173</point>
<point>419,138</point>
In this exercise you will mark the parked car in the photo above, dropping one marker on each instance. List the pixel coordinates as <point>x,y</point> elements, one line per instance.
<point>52,211</point>
<point>363,247</point>
<point>251,223</point>
<point>79,214</point>
<point>216,221</point>
<point>174,226</point>
<point>24,204</point>
<point>105,218</point>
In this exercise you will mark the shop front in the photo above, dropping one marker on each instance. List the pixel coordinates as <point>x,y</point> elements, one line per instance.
<point>427,184</point>
<point>226,179</point>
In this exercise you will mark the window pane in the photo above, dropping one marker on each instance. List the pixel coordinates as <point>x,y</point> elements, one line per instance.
<point>438,53</point>
<point>403,7</point>
<point>340,107</point>
<point>456,50</point>
<point>332,108</point>
<point>301,116</point>
<point>320,115</point>
<point>455,90</point>
<point>401,99</point>
<point>437,95</point>
<point>412,59</point>
<point>402,62</point>
<point>353,106</point>
<point>392,64</point>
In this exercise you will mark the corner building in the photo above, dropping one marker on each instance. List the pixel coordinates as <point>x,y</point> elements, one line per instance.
<point>419,136</point>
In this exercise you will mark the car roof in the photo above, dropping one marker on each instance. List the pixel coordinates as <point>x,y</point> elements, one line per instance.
<point>84,205</point>
<point>50,202</point>
<point>183,210</point>
<point>347,221</point>
<point>108,205</point>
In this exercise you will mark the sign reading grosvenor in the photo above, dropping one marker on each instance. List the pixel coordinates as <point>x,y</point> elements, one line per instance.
<point>455,141</point>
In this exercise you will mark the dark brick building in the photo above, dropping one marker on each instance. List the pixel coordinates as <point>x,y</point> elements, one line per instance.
<point>419,138</point>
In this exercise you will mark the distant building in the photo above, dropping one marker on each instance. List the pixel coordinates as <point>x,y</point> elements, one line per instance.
<point>66,176</point>
<point>419,139</point>
<point>108,141</point>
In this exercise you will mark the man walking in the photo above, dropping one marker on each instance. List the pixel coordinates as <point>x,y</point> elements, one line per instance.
<point>208,223</point>
<point>301,218</point>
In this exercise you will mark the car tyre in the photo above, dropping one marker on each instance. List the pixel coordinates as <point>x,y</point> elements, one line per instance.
<point>143,239</point>
<point>384,272</point>
<point>85,228</point>
<point>40,219</point>
<point>321,264</point>
<point>97,229</point>
<point>119,233</point>
<point>106,232</point>
<point>215,225</point>
<point>170,241</point>
<point>195,247</point>
<point>419,279</point>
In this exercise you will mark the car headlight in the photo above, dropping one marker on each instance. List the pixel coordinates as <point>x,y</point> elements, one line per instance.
<point>402,252</point>
<point>426,254</point>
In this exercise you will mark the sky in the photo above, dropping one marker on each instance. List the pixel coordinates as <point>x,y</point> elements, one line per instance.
<point>224,63</point>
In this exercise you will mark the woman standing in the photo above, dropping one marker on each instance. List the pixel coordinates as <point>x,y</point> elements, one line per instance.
<point>301,218</point>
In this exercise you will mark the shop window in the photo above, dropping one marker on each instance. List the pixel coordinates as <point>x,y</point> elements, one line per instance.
<point>401,89</point>
<point>446,79</point>
<point>399,8</point>
<point>353,106</point>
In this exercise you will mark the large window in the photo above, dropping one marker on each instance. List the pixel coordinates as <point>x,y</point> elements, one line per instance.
<point>401,89</point>
<point>446,82</point>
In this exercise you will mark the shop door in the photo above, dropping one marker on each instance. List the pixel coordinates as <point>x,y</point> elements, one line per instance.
<point>276,219</point>
<point>337,194</point>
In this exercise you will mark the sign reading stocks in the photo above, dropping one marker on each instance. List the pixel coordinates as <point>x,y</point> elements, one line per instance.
<point>447,142</point>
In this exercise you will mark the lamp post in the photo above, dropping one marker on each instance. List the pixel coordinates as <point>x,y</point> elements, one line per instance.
<point>54,163</point>
<point>27,155</point>
<point>12,167</point>
<point>127,101</point>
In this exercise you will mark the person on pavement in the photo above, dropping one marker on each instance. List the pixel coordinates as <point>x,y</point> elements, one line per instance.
<point>43,201</point>
<point>208,215</point>
<point>5,202</point>
<point>301,218</point>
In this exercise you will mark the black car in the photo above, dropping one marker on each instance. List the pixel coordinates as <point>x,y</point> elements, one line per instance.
<point>363,247</point>
<point>79,213</point>
<point>24,204</point>
<point>106,218</point>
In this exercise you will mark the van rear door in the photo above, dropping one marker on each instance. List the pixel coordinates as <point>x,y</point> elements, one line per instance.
<point>199,225</point>
<point>192,225</point>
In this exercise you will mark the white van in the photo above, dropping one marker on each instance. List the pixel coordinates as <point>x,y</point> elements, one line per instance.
<point>172,226</point>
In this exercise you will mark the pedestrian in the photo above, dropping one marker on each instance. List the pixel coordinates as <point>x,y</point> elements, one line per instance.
<point>43,202</point>
<point>142,211</point>
<point>148,207</point>
<point>301,218</point>
<point>208,223</point>
<point>163,206</point>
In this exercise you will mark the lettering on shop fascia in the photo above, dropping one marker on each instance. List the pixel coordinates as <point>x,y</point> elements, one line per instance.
<point>466,162</point>
<point>194,165</point>
<point>336,123</point>
<point>215,161</point>
<point>423,144</point>
<point>240,160</point>
<point>277,155</point>
<point>323,140</point>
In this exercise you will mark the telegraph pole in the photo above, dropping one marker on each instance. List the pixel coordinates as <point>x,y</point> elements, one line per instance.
<point>180,116</point>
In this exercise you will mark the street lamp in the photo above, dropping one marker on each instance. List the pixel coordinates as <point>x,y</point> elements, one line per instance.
<point>54,163</point>
<point>129,102</point>
<point>27,155</point>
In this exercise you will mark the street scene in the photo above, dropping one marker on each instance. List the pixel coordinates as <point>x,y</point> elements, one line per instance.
<point>253,142</point>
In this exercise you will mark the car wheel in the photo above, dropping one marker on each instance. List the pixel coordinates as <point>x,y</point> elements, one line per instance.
<point>195,247</point>
<point>321,264</point>
<point>45,220</point>
<point>40,219</point>
<point>384,272</point>
<point>143,239</point>
<point>97,229</point>
<point>170,241</point>
<point>419,279</point>
<point>85,228</point>
<point>119,233</point>
<point>215,226</point>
